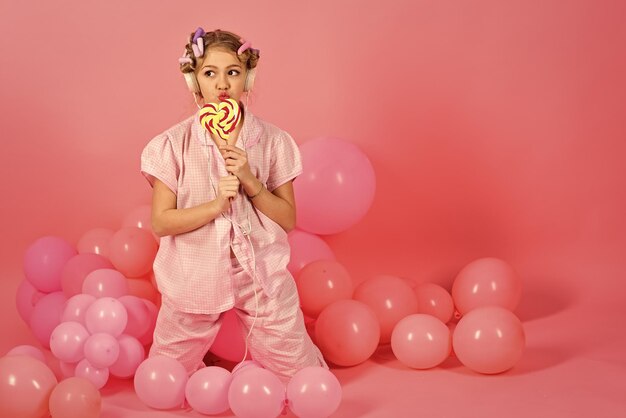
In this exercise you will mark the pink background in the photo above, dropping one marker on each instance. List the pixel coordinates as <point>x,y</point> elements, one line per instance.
<point>495,129</point>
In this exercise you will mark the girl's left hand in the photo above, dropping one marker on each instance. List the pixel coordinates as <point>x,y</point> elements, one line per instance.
<point>237,162</point>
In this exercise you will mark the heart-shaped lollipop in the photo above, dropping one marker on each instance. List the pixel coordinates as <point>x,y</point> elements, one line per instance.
<point>221,118</point>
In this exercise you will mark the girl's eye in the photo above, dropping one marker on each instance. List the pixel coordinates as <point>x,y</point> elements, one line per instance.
<point>233,72</point>
<point>209,73</point>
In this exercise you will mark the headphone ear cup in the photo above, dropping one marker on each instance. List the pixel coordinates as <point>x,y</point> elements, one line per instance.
<point>192,82</point>
<point>249,80</point>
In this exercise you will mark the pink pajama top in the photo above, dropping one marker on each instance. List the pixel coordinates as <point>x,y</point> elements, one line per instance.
<point>192,269</point>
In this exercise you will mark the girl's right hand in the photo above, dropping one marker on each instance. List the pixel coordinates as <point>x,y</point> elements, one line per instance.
<point>227,188</point>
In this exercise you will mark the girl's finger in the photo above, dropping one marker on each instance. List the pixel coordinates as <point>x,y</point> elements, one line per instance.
<point>231,148</point>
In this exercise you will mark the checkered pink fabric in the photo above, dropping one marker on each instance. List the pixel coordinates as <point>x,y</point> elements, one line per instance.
<point>278,341</point>
<point>192,269</point>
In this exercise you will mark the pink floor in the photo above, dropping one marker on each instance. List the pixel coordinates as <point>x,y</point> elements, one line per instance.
<point>573,365</point>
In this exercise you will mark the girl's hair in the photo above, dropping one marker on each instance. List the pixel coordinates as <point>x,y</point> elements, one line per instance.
<point>224,39</point>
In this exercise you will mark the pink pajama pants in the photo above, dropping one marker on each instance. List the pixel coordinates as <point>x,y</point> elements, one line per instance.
<point>278,341</point>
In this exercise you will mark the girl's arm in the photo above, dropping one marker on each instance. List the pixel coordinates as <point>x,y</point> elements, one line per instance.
<point>168,220</point>
<point>278,205</point>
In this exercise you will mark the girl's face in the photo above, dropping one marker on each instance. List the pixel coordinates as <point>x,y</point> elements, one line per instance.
<point>221,75</point>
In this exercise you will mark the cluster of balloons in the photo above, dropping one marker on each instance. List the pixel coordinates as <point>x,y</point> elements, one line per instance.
<point>333,193</point>
<point>29,389</point>
<point>93,306</point>
<point>416,319</point>
<point>250,391</point>
<point>102,336</point>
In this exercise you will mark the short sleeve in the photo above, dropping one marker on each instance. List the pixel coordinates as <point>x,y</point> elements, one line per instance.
<point>158,161</point>
<point>286,161</point>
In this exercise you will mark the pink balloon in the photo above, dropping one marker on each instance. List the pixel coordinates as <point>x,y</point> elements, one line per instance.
<point>144,289</point>
<point>140,217</point>
<point>139,315</point>
<point>321,283</point>
<point>25,387</point>
<point>347,332</point>
<point>336,188</point>
<point>95,241</point>
<point>245,365</point>
<point>229,343</point>
<point>390,298</point>
<point>207,390</point>
<point>305,248</point>
<point>75,397</point>
<point>105,282</point>
<point>313,392</point>
<point>26,298</point>
<point>68,340</point>
<point>489,340</point>
<point>485,282</point>
<point>132,251</point>
<point>106,315</point>
<point>44,261</point>
<point>75,308</point>
<point>160,382</point>
<point>256,393</point>
<point>434,300</point>
<point>46,316</point>
<point>102,350</point>
<point>77,268</point>
<point>146,338</point>
<point>131,354</point>
<point>421,341</point>
<point>99,377</point>
<point>27,350</point>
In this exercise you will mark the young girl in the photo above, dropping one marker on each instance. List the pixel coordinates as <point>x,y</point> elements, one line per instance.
<point>222,208</point>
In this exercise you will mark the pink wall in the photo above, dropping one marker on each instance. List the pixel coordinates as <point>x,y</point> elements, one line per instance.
<point>495,128</point>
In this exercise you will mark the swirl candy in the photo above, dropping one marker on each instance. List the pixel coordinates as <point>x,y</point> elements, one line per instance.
<point>221,119</point>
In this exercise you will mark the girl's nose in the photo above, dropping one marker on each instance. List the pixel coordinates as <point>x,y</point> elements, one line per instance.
<point>222,82</point>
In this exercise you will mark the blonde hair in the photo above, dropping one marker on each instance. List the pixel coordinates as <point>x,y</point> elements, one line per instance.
<point>224,39</point>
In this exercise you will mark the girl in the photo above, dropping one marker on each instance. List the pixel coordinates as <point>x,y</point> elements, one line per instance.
<point>222,208</point>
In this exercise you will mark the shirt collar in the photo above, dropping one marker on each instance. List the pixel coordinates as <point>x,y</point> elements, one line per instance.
<point>248,135</point>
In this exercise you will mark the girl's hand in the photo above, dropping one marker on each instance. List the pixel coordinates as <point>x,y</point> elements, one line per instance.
<point>227,188</point>
<point>237,162</point>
